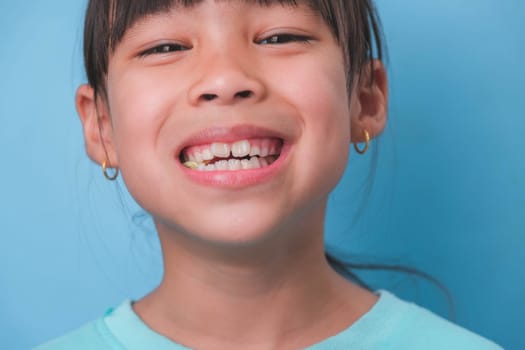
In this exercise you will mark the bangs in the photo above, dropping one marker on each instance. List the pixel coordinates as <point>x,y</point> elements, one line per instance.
<point>353,23</point>
<point>123,14</point>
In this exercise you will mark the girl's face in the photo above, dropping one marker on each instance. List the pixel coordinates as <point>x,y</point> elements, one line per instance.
<point>222,76</point>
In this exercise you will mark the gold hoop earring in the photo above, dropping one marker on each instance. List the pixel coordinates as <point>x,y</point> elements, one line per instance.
<point>105,171</point>
<point>367,143</point>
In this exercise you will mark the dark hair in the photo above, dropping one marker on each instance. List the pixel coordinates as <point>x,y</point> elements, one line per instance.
<point>354,24</point>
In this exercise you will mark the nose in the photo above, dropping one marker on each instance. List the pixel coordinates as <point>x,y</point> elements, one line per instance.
<point>226,80</point>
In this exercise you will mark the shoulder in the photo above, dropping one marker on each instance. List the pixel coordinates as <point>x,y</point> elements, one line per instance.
<point>413,327</point>
<point>92,336</point>
<point>119,329</point>
<point>395,324</point>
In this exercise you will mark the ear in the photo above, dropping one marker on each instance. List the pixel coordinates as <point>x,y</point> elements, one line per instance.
<point>97,126</point>
<point>371,105</point>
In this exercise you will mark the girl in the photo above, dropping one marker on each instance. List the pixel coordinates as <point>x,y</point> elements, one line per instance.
<point>230,123</point>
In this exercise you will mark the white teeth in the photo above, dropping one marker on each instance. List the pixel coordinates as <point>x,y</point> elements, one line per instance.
<point>197,157</point>
<point>254,163</point>
<point>241,148</point>
<point>245,164</point>
<point>221,165</point>
<point>206,154</point>
<point>234,164</point>
<point>255,151</point>
<point>220,149</point>
<point>261,154</point>
<point>265,148</point>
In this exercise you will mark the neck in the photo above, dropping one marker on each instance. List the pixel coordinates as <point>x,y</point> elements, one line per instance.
<point>266,295</point>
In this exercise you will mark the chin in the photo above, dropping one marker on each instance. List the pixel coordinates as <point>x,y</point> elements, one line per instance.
<point>227,228</point>
<point>239,230</point>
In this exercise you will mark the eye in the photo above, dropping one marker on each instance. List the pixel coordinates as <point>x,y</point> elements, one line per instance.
<point>278,39</point>
<point>163,49</point>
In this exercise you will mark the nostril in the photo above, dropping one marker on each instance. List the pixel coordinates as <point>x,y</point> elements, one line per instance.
<point>209,97</point>
<point>244,94</point>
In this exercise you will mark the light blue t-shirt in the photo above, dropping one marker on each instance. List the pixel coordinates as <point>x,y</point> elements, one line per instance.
<point>391,324</point>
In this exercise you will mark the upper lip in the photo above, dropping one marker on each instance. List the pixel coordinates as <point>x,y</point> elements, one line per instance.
<point>228,134</point>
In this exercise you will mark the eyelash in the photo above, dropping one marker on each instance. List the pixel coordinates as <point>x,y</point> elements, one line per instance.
<point>276,39</point>
<point>279,39</point>
<point>163,49</point>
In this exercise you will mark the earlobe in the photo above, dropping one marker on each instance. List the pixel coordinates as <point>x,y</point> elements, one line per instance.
<point>96,125</point>
<point>372,103</point>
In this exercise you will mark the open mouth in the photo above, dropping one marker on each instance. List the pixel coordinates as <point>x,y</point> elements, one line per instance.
<point>240,155</point>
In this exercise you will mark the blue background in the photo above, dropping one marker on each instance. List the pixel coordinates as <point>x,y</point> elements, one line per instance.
<point>448,195</point>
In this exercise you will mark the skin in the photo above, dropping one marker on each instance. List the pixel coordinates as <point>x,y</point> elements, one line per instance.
<point>245,266</point>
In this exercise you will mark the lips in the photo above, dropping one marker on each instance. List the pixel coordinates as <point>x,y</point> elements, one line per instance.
<point>233,156</point>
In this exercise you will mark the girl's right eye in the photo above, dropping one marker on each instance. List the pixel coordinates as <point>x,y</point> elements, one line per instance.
<point>163,49</point>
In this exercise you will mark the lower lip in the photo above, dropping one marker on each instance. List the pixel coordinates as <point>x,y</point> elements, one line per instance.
<point>238,178</point>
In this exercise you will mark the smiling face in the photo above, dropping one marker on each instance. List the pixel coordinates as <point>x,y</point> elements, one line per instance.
<point>252,98</point>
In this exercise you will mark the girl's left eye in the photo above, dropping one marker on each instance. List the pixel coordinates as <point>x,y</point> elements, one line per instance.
<point>277,39</point>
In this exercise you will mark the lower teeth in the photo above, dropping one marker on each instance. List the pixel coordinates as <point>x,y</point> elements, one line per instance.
<point>232,164</point>
<point>191,165</point>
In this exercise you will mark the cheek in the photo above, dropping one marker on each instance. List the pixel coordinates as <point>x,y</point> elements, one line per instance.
<point>138,100</point>
<point>318,88</point>
<point>326,104</point>
<point>318,91</point>
<point>140,106</point>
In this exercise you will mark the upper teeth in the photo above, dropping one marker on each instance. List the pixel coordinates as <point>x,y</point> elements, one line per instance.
<point>220,149</point>
<point>239,149</point>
